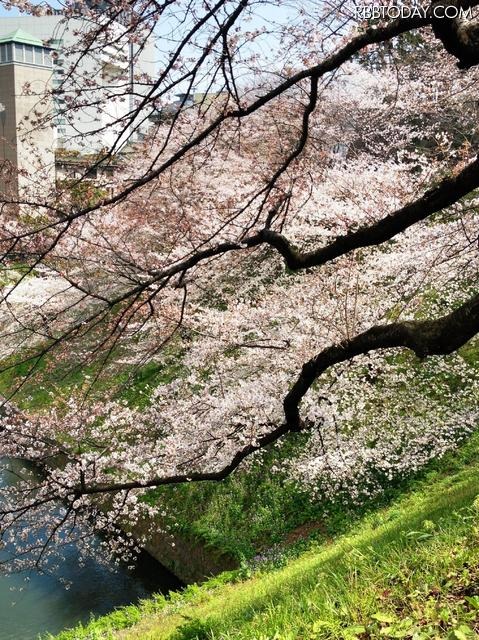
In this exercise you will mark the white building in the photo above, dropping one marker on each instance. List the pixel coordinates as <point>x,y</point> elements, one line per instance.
<point>113,70</point>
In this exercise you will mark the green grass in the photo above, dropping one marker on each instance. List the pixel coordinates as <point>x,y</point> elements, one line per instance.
<point>11,273</point>
<point>37,385</point>
<point>323,589</point>
<point>408,570</point>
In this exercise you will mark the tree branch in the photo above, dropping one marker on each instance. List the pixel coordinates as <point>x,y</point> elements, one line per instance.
<point>425,338</point>
<point>449,191</point>
<point>459,37</point>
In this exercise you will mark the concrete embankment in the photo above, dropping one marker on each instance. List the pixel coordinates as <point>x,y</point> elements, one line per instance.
<point>186,557</point>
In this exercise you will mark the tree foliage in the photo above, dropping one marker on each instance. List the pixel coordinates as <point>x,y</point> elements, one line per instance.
<point>282,238</point>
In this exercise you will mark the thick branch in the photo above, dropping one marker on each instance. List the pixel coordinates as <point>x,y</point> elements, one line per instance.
<point>430,337</point>
<point>459,37</point>
<point>205,476</point>
<point>425,338</point>
<point>449,191</point>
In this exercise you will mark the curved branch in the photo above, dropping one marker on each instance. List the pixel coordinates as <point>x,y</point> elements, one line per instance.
<point>425,338</point>
<point>200,476</point>
<point>449,191</point>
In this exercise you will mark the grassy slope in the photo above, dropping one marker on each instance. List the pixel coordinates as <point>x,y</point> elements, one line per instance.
<point>407,570</point>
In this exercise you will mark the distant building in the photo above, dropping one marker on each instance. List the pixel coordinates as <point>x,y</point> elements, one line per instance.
<point>27,151</point>
<point>185,101</point>
<point>90,128</point>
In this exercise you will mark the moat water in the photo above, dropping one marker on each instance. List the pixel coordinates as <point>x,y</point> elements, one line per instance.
<point>35,604</point>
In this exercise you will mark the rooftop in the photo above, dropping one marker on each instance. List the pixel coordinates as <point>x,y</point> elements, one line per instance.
<point>19,35</point>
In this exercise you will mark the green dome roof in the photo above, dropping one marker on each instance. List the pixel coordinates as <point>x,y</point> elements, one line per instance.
<point>19,35</point>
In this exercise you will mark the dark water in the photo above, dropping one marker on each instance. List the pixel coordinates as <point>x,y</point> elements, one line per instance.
<point>41,604</point>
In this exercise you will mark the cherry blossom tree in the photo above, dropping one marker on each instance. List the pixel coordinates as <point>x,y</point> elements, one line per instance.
<point>288,237</point>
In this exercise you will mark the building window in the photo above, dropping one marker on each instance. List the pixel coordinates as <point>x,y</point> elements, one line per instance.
<point>28,53</point>
<point>25,53</point>
<point>18,52</point>
<point>38,55</point>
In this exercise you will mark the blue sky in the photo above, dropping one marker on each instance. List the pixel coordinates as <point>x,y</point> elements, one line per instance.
<point>267,15</point>
<point>15,12</point>
<point>4,12</point>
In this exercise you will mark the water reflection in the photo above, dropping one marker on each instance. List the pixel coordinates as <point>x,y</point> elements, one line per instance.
<point>36,603</point>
